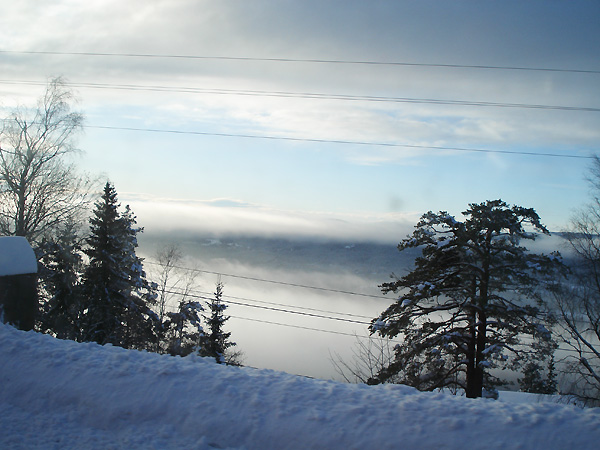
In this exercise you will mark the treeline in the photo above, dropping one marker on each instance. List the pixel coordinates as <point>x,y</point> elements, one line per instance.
<point>95,289</point>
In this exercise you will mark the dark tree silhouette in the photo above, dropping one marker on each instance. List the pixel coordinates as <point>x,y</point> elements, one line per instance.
<point>216,341</point>
<point>116,293</point>
<point>472,295</point>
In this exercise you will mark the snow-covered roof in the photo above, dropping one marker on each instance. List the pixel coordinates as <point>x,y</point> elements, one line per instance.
<point>16,256</point>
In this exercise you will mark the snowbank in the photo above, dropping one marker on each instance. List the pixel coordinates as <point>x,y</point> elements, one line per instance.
<point>60,394</point>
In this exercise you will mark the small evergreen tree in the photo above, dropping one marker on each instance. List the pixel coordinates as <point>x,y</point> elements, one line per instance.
<point>117,294</point>
<point>536,381</point>
<point>183,328</point>
<point>216,341</point>
<point>60,265</point>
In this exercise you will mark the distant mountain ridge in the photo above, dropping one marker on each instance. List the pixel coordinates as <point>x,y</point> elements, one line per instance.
<point>370,260</point>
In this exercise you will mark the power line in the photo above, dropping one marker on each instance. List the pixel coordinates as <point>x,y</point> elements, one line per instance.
<point>308,95</point>
<point>269,308</point>
<point>263,280</point>
<point>341,333</point>
<point>525,338</point>
<point>328,96</point>
<point>226,296</point>
<point>338,141</point>
<point>300,327</point>
<point>568,350</point>
<point>309,61</point>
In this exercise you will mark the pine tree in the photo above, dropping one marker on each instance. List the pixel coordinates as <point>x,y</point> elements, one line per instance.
<point>472,295</point>
<point>117,294</point>
<point>216,342</point>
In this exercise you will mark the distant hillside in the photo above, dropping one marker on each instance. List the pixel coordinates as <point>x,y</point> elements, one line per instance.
<point>370,260</point>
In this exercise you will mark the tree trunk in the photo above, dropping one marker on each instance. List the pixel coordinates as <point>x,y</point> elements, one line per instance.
<point>479,358</point>
<point>20,223</point>
<point>471,388</point>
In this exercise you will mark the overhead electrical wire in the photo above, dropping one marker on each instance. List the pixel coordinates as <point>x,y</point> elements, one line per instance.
<point>335,141</point>
<point>327,96</point>
<point>289,325</point>
<point>338,141</point>
<point>305,308</point>
<point>263,280</point>
<point>307,95</point>
<point>525,338</point>
<point>301,60</point>
<point>208,297</point>
<point>269,308</point>
<point>284,324</point>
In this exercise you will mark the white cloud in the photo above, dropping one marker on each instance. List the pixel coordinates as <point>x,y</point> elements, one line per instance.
<point>231,217</point>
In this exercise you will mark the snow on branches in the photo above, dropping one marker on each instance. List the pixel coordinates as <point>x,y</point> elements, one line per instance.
<point>472,295</point>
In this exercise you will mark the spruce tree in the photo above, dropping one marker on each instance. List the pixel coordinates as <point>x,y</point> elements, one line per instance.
<point>60,265</point>
<point>216,341</point>
<point>471,297</point>
<point>117,295</point>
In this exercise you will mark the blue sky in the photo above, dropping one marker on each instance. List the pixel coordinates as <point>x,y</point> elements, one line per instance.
<point>280,186</point>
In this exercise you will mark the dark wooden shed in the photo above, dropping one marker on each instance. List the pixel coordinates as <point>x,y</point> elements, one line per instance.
<point>18,282</point>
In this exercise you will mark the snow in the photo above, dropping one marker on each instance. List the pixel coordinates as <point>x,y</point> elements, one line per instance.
<point>443,242</point>
<point>379,325</point>
<point>424,286</point>
<point>16,256</point>
<point>65,395</point>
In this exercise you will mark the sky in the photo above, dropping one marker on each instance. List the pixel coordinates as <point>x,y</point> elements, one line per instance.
<point>221,71</point>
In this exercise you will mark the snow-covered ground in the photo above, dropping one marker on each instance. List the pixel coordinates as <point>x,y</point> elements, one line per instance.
<point>64,395</point>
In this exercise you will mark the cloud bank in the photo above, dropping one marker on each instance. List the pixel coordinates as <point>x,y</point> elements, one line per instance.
<point>222,217</point>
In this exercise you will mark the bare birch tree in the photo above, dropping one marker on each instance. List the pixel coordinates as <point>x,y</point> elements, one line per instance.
<point>370,356</point>
<point>579,301</point>
<point>179,311</point>
<point>39,188</point>
<point>168,258</point>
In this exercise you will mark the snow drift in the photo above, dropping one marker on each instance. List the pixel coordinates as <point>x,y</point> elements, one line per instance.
<point>60,394</point>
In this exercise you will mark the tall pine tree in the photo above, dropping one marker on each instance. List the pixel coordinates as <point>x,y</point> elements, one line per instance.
<point>117,295</point>
<point>471,297</point>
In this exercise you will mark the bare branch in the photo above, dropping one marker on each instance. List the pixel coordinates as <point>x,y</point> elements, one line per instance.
<point>39,188</point>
